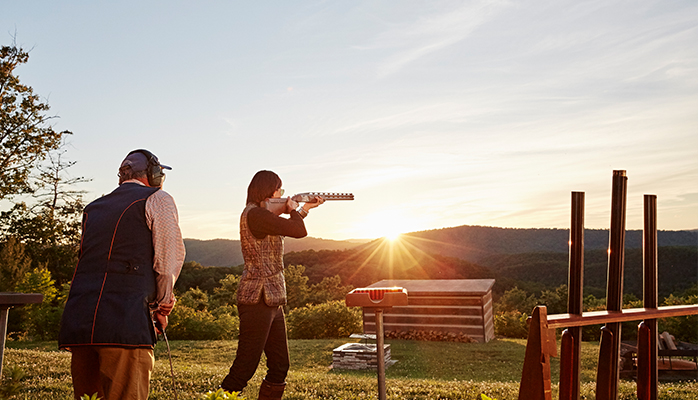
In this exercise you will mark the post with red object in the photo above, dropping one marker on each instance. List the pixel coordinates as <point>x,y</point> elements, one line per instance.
<point>378,299</point>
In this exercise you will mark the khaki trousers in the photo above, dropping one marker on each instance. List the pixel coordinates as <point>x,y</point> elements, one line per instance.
<point>114,373</point>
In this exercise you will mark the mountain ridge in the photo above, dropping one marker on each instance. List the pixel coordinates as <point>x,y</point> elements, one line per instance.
<point>471,243</point>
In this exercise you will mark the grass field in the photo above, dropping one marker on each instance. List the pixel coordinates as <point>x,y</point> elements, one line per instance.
<point>425,370</point>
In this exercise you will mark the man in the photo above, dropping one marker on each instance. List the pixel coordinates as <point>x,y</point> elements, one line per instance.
<point>131,254</point>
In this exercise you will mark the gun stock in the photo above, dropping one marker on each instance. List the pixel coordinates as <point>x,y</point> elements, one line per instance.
<point>278,206</point>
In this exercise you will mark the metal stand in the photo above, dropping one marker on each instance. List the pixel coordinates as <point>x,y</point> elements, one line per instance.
<point>380,354</point>
<point>7,301</point>
<point>377,299</point>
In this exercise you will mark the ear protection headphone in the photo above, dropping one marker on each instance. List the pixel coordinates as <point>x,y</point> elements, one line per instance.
<point>154,169</point>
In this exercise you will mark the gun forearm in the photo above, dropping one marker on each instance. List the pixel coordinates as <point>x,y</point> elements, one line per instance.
<point>278,206</point>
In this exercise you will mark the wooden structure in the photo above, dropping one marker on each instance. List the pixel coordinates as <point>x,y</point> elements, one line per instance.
<point>441,305</point>
<point>535,378</point>
<point>7,301</point>
<point>378,299</point>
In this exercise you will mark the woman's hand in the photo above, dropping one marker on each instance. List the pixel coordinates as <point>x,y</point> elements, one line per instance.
<point>312,204</point>
<point>290,205</point>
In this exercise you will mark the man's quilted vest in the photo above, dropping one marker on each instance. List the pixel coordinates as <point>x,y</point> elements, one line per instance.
<point>114,279</point>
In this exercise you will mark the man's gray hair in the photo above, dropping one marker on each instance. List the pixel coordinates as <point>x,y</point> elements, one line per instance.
<point>126,173</point>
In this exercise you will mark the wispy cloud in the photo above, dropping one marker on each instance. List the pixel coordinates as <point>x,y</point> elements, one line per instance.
<point>405,43</point>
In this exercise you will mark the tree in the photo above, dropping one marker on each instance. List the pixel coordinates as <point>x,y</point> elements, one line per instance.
<point>13,264</point>
<point>329,289</point>
<point>296,286</point>
<point>42,321</point>
<point>49,227</point>
<point>25,134</point>
<point>226,295</point>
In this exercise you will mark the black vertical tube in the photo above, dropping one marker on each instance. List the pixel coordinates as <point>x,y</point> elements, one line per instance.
<point>616,263</point>
<point>575,287</point>
<point>650,284</point>
<point>616,246</point>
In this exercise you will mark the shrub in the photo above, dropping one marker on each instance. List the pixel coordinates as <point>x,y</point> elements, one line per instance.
<point>682,328</point>
<point>194,298</point>
<point>42,321</point>
<point>324,321</point>
<point>186,323</point>
<point>516,300</point>
<point>511,324</point>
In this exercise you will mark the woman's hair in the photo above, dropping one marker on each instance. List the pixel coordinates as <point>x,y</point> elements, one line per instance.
<point>262,186</point>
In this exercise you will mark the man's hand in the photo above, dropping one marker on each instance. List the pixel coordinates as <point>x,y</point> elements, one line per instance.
<point>160,322</point>
<point>166,308</point>
<point>160,315</point>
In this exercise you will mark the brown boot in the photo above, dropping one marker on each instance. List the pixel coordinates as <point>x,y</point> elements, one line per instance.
<point>271,391</point>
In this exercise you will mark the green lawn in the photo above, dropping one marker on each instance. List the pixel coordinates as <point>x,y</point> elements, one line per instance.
<point>425,370</point>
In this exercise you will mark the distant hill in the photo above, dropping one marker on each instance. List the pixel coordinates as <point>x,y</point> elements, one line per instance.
<point>532,258</point>
<point>227,253</point>
<point>677,270</point>
<point>470,243</point>
<point>474,243</point>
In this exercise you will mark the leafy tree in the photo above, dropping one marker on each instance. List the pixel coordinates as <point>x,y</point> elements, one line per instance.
<point>555,300</point>
<point>42,321</point>
<point>226,294</point>
<point>516,300</point>
<point>13,263</point>
<point>329,289</point>
<point>26,136</point>
<point>683,328</point>
<point>195,299</point>
<point>207,279</point>
<point>50,226</point>
<point>296,286</point>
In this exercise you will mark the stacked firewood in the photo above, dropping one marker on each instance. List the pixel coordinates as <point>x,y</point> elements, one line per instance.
<point>431,336</point>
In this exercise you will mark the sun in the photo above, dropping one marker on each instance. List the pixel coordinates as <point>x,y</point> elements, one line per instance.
<point>388,224</point>
<point>393,236</point>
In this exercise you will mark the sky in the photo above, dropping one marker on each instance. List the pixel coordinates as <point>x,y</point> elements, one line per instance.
<point>434,114</point>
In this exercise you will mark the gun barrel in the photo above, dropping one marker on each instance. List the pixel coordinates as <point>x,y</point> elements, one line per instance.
<point>309,196</point>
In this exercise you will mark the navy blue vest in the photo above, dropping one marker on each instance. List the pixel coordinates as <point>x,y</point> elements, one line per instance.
<point>114,279</point>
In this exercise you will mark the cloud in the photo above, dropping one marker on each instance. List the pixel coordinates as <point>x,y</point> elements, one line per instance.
<point>410,41</point>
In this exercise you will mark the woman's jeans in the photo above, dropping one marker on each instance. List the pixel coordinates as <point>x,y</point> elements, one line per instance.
<point>262,329</point>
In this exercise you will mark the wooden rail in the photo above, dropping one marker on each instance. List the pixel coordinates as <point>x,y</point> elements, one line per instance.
<point>628,314</point>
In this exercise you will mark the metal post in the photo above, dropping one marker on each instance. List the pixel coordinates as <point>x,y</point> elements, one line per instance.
<point>7,301</point>
<point>4,312</point>
<point>380,354</point>
<point>647,390</point>
<point>614,289</point>
<point>570,357</point>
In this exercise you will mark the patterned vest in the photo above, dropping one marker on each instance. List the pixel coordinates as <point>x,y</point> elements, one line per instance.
<point>263,275</point>
<point>114,279</point>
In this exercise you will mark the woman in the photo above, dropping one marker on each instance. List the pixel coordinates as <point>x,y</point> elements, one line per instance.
<point>262,289</point>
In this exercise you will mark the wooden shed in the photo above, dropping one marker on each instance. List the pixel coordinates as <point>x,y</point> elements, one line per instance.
<point>446,305</point>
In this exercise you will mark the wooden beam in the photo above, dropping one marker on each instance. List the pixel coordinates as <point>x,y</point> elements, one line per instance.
<point>628,314</point>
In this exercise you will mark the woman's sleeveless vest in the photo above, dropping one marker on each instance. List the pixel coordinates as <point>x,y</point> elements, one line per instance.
<point>114,279</point>
<point>263,275</point>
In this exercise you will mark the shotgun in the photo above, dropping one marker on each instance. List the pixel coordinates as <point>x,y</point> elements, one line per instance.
<point>278,206</point>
